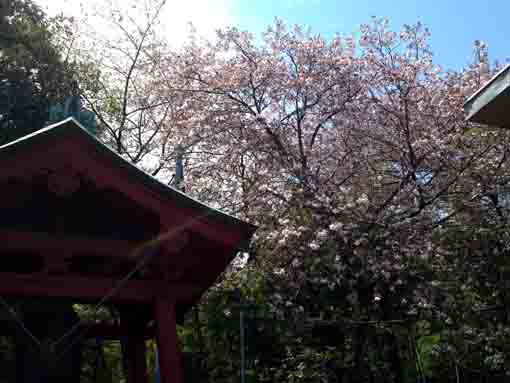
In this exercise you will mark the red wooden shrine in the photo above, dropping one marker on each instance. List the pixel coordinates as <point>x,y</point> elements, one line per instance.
<point>76,218</point>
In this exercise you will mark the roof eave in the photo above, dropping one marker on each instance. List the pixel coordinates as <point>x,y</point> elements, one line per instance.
<point>491,103</point>
<point>70,126</point>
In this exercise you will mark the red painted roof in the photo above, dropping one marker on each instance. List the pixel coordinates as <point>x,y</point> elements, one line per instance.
<point>215,237</point>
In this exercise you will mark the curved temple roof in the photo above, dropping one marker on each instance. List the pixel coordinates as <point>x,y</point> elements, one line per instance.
<point>70,127</point>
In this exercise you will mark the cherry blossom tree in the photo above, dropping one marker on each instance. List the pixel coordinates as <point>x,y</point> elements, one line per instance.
<point>355,160</point>
<point>118,61</point>
<point>376,201</point>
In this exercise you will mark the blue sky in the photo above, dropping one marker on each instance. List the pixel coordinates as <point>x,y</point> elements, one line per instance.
<point>454,24</point>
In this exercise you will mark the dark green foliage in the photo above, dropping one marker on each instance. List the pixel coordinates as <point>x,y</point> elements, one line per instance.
<point>33,73</point>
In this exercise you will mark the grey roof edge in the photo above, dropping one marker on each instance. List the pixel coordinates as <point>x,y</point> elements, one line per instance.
<point>486,85</point>
<point>70,126</point>
<point>481,98</point>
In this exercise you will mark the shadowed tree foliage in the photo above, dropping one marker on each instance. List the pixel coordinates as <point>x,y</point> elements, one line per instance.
<point>33,72</point>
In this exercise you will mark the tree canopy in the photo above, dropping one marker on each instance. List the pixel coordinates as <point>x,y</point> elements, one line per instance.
<point>34,73</point>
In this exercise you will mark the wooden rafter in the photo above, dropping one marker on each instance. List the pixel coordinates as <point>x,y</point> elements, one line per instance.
<point>89,289</point>
<point>50,245</point>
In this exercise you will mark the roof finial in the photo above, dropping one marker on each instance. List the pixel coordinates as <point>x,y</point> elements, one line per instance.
<point>179,168</point>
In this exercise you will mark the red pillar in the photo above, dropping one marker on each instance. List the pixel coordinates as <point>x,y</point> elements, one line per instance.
<point>170,367</point>
<point>136,359</point>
